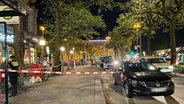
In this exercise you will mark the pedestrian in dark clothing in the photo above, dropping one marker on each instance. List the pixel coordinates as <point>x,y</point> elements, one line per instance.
<point>60,65</point>
<point>13,76</point>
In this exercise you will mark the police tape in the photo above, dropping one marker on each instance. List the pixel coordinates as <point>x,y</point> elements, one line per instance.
<point>57,72</point>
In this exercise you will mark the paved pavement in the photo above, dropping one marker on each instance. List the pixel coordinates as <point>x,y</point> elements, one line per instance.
<point>90,91</point>
<point>178,74</point>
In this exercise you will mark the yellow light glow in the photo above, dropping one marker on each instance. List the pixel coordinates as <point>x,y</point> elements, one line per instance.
<point>62,48</point>
<point>42,28</point>
<point>42,42</point>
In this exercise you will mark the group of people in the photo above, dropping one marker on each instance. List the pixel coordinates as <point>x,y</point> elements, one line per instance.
<point>13,76</point>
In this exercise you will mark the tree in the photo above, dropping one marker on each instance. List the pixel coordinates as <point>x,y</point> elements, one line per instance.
<point>172,12</point>
<point>70,20</point>
<point>19,46</point>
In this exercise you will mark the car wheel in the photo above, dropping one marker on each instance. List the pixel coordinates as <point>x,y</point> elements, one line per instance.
<point>115,82</point>
<point>128,91</point>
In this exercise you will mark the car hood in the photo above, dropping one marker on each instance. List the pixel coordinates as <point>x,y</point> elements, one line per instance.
<point>161,65</point>
<point>149,76</point>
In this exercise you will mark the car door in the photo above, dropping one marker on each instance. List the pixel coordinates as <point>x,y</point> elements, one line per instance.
<point>119,74</point>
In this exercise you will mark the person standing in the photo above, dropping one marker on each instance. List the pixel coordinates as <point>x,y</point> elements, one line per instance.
<point>13,76</point>
<point>60,66</point>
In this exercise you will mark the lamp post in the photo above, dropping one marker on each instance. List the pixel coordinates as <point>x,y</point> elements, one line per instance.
<point>42,43</point>
<point>138,26</point>
<point>42,28</point>
<point>62,50</point>
<point>71,52</point>
<point>72,61</point>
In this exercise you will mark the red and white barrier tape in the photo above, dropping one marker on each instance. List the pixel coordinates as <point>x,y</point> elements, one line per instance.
<point>2,75</point>
<point>54,72</point>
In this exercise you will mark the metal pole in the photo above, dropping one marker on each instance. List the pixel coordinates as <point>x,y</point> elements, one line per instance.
<point>42,52</point>
<point>6,63</point>
<point>62,61</point>
<point>140,53</point>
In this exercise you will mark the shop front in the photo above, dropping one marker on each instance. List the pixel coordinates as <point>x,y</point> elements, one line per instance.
<point>10,41</point>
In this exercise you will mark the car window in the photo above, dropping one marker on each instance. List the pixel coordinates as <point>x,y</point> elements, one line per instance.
<point>156,60</point>
<point>137,67</point>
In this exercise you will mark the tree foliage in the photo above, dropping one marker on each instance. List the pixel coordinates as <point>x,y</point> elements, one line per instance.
<point>73,20</point>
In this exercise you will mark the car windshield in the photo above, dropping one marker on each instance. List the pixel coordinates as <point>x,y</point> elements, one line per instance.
<point>156,60</point>
<point>137,67</point>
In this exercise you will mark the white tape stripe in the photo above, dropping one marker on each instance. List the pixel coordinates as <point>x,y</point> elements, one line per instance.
<point>87,73</point>
<point>68,72</point>
<point>78,72</point>
<point>58,72</point>
<point>103,72</point>
<point>95,72</point>
<point>24,71</point>
<point>48,72</point>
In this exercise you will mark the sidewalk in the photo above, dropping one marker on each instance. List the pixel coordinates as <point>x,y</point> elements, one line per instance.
<point>99,95</point>
<point>177,74</point>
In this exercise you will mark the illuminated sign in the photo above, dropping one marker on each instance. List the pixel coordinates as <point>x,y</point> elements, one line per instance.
<point>8,19</point>
<point>98,41</point>
<point>10,38</point>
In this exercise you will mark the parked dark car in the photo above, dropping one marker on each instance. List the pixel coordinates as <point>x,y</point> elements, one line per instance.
<point>142,78</point>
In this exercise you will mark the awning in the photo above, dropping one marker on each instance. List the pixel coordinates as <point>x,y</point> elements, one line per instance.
<point>14,12</point>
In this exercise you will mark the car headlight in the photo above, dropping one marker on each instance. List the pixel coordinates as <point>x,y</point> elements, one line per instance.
<point>171,67</point>
<point>116,62</point>
<point>134,82</point>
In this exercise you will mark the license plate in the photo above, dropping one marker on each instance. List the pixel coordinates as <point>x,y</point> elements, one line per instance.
<point>158,89</point>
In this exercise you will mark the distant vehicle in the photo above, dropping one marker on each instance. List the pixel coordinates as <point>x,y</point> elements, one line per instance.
<point>161,64</point>
<point>110,64</point>
<point>180,59</point>
<point>142,78</point>
<point>106,62</point>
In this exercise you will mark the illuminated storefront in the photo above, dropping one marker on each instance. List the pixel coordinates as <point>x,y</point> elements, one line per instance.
<point>10,40</point>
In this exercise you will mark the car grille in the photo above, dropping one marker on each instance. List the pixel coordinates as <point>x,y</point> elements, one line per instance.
<point>157,84</point>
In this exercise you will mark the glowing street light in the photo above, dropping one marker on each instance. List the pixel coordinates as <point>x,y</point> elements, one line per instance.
<point>71,52</point>
<point>107,37</point>
<point>138,26</point>
<point>42,43</point>
<point>42,28</point>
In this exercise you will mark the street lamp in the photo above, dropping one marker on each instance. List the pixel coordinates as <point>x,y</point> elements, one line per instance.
<point>107,37</point>
<point>42,43</point>
<point>62,50</point>
<point>138,26</point>
<point>42,28</point>
<point>71,52</point>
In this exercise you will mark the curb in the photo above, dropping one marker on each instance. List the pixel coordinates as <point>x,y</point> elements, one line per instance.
<point>178,74</point>
<point>99,96</point>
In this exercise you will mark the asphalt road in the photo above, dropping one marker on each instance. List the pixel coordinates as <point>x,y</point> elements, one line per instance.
<point>64,89</point>
<point>114,94</point>
<point>86,89</point>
